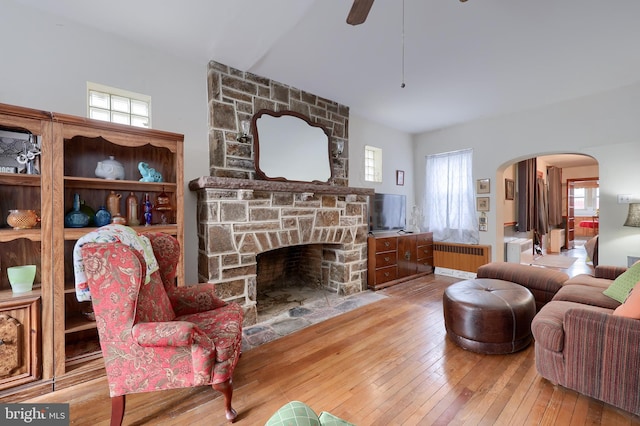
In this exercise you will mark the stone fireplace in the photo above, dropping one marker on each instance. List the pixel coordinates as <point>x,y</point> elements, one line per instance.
<point>239,219</point>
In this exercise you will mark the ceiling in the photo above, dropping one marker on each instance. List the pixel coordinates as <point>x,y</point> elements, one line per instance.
<point>462,61</point>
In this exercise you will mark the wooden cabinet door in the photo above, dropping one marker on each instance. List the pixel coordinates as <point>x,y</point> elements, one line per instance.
<point>407,256</point>
<point>20,337</point>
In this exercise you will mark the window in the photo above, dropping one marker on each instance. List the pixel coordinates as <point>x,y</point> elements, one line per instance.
<point>586,199</point>
<point>118,106</point>
<point>449,201</point>
<point>372,164</point>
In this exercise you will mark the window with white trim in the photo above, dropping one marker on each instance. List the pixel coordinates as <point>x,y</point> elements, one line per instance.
<point>372,164</point>
<point>118,106</point>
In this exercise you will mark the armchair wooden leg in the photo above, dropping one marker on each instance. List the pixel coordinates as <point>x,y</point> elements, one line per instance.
<point>226,388</point>
<point>117,410</point>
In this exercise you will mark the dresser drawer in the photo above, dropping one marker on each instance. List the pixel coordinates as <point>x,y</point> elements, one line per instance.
<point>386,259</point>
<point>425,251</point>
<point>425,239</point>
<point>386,274</point>
<point>386,244</point>
<point>425,266</point>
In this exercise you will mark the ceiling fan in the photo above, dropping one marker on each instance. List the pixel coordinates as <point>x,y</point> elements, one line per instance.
<point>360,10</point>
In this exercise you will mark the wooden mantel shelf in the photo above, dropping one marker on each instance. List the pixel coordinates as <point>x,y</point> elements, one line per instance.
<point>275,186</point>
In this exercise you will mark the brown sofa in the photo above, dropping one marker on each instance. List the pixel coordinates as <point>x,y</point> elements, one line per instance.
<point>580,345</point>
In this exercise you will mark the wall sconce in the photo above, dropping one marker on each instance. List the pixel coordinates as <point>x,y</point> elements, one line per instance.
<point>633,217</point>
<point>339,149</point>
<point>244,135</point>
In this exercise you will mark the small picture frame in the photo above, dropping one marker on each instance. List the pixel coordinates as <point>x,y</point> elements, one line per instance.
<point>482,204</point>
<point>509,189</point>
<point>483,186</point>
<point>400,177</point>
<point>482,223</point>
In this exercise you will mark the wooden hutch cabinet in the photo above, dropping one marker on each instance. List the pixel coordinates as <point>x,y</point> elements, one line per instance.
<point>394,258</point>
<point>71,148</point>
<point>27,330</point>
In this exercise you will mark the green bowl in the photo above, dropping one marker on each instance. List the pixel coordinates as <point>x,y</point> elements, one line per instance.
<point>21,277</point>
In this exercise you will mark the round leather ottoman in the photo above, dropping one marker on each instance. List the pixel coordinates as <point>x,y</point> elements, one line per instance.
<point>489,316</point>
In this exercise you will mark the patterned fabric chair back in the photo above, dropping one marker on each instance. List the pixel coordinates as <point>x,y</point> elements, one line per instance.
<point>115,293</point>
<point>153,302</point>
<point>167,251</point>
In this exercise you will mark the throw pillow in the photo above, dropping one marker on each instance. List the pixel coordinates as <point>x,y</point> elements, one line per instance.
<point>295,413</point>
<point>631,307</point>
<point>621,286</point>
<point>328,419</point>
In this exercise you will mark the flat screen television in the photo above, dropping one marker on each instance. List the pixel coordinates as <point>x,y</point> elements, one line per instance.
<point>388,212</point>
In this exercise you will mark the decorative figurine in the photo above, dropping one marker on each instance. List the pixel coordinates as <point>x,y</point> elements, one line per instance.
<point>149,174</point>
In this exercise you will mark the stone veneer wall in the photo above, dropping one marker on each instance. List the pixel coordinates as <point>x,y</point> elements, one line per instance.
<point>240,218</point>
<point>236,95</point>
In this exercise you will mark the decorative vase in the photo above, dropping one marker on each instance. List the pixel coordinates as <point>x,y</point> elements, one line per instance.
<point>148,208</point>
<point>113,204</point>
<point>103,217</point>
<point>133,212</point>
<point>76,218</point>
<point>21,278</point>
<point>89,212</point>
<point>22,219</point>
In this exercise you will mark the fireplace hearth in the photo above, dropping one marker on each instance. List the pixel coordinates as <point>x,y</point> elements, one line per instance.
<point>240,220</point>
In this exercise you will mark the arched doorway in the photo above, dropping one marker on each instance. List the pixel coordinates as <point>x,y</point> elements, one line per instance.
<point>573,168</point>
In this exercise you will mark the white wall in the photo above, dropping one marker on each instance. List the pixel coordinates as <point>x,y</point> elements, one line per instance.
<point>47,61</point>
<point>397,154</point>
<point>604,126</point>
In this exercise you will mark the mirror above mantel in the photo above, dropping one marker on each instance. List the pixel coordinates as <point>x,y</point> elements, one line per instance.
<point>289,147</point>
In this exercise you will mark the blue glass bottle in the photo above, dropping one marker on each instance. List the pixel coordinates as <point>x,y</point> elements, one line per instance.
<point>103,217</point>
<point>148,207</point>
<point>76,218</point>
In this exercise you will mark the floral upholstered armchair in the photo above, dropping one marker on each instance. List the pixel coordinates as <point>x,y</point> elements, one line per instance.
<point>153,334</point>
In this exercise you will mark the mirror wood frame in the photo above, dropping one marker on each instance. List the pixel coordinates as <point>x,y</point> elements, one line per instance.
<point>260,149</point>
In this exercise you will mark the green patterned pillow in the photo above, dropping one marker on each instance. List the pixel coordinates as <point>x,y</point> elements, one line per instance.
<point>328,419</point>
<point>621,286</point>
<point>295,413</point>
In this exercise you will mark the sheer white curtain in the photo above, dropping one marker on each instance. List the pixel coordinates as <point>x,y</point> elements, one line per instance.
<point>449,205</point>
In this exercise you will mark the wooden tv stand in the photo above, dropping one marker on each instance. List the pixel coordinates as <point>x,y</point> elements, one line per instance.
<point>397,257</point>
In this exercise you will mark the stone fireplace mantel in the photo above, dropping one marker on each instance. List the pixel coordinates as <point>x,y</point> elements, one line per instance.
<point>241,218</point>
<point>275,186</point>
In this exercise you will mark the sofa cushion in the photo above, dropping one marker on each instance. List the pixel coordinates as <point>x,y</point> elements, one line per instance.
<point>586,294</point>
<point>590,280</point>
<point>631,307</point>
<point>621,286</point>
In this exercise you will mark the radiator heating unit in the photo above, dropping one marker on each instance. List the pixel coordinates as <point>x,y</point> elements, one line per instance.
<point>460,257</point>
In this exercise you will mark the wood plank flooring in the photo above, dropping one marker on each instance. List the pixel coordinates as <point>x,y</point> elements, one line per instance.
<point>387,363</point>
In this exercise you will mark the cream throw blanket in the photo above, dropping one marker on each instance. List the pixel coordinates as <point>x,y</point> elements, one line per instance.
<point>109,234</point>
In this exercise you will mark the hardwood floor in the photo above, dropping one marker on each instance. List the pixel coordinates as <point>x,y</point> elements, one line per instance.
<point>386,363</point>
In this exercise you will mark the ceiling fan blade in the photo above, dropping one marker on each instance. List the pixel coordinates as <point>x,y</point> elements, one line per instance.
<point>359,11</point>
